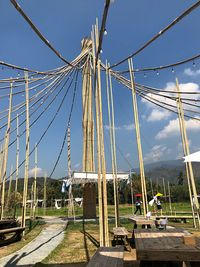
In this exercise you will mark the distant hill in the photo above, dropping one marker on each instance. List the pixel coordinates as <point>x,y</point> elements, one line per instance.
<point>169,170</point>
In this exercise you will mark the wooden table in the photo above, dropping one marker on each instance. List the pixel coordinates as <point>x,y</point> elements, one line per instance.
<point>107,257</point>
<point>122,234</point>
<point>155,246</point>
<point>141,220</point>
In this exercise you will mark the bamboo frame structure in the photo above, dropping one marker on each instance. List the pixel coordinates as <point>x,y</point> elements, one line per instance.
<point>189,169</point>
<point>5,154</point>
<point>139,146</point>
<point>25,190</point>
<point>112,143</point>
<point>89,190</point>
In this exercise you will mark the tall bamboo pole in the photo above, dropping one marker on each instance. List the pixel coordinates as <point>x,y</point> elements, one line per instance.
<point>132,193</point>
<point>9,187</point>
<point>71,211</point>
<point>45,194</point>
<point>151,187</point>
<point>25,190</point>
<point>5,157</point>
<point>17,156</point>
<point>101,221</point>
<point>169,195</point>
<point>137,128</point>
<point>187,151</point>
<point>35,183</point>
<point>164,191</point>
<point>112,148</point>
<point>1,166</point>
<point>105,207</point>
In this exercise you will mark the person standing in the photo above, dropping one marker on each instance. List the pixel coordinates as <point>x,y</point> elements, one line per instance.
<point>138,203</point>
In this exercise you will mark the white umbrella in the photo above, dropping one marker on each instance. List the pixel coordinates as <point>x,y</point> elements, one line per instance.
<point>194,157</point>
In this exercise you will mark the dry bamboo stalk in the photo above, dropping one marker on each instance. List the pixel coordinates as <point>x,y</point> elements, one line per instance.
<point>137,128</point>
<point>1,166</point>
<point>186,165</point>
<point>5,156</point>
<point>193,185</point>
<point>169,195</point>
<point>17,156</point>
<point>25,190</point>
<point>101,222</point>
<point>102,155</point>
<point>45,195</point>
<point>9,187</point>
<point>71,210</point>
<point>35,182</point>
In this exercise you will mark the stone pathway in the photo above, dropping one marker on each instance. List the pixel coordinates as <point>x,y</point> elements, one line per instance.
<point>40,247</point>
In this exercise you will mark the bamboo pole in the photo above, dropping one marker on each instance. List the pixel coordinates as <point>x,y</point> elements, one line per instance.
<point>1,166</point>
<point>187,151</point>
<point>45,195</point>
<point>112,149</point>
<point>164,191</point>
<point>5,157</point>
<point>137,128</point>
<point>17,156</point>
<point>35,183</point>
<point>25,190</point>
<point>132,193</point>
<point>101,221</point>
<point>9,187</point>
<point>169,195</point>
<point>152,193</point>
<point>71,211</point>
<point>105,208</point>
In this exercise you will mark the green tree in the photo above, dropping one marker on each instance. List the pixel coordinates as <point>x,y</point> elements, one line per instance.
<point>180,178</point>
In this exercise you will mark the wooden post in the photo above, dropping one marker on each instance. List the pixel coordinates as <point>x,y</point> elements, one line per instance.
<point>5,156</point>
<point>112,143</point>
<point>189,169</point>
<point>35,183</point>
<point>25,190</point>
<point>137,128</point>
<point>1,166</point>
<point>132,194</point>
<point>164,191</point>
<point>45,195</point>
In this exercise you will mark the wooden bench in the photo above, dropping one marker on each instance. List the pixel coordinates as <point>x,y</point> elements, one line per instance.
<point>8,223</point>
<point>120,233</point>
<point>107,257</point>
<point>15,237</point>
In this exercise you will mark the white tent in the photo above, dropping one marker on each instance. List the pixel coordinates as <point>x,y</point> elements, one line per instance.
<point>194,157</point>
<point>91,177</point>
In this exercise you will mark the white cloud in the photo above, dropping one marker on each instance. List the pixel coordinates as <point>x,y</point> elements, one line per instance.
<point>158,114</point>
<point>156,153</point>
<point>172,128</point>
<point>107,127</point>
<point>127,127</point>
<point>39,171</point>
<point>192,73</point>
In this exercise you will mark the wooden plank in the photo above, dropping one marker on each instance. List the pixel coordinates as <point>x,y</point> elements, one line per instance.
<point>155,245</point>
<point>107,257</point>
<point>12,230</point>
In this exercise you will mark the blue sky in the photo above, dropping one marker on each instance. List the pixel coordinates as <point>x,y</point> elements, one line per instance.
<point>129,25</point>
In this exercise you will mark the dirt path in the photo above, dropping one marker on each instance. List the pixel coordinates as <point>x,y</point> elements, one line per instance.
<point>40,247</point>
